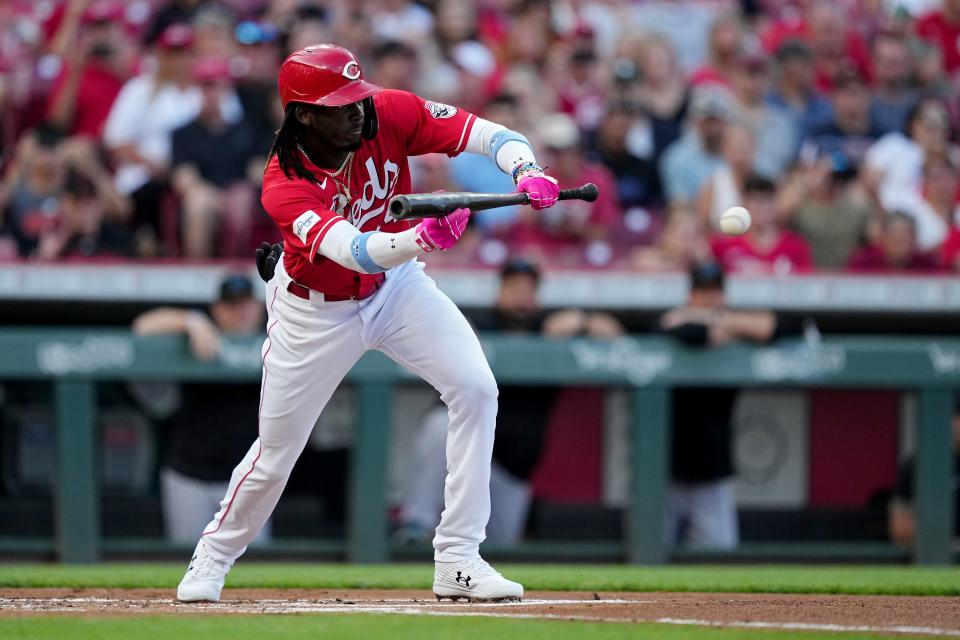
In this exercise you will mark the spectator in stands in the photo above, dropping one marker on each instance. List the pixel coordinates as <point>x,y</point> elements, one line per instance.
<point>95,53</point>
<point>215,161</point>
<point>688,163</point>
<point>82,229</point>
<point>624,144</point>
<point>931,79</point>
<point>138,130</point>
<point>574,230</point>
<point>213,32</point>
<point>824,203</point>
<point>395,65</point>
<point>893,92</point>
<point>726,42</point>
<point>768,247</point>
<point>311,25</point>
<point>477,173</point>
<point>851,132</point>
<point>661,91</point>
<point>941,27</point>
<point>939,191</point>
<point>682,244</point>
<point>522,416</point>
<point>725,186</point>
<point>701,504</point>
<point>579,86</point>
<point>475,68</point>
<point>776,138</point>
<point>216,422</point>
<point>171,13</point>
<point>90,219</point>
<point>794,89</point>
<point>901,519</point>
<point>894,167</point>
<point>824,26</point>
<point>32,186</point>
<point>402,20</point>
<point>895,249</point>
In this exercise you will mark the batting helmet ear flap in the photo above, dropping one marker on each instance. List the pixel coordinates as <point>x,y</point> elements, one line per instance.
<point>370,122</point>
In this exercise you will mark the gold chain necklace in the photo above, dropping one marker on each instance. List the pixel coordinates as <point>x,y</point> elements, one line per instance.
<point>347,164</point>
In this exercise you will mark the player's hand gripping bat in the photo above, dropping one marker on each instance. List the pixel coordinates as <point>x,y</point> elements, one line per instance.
<point>437,205</point>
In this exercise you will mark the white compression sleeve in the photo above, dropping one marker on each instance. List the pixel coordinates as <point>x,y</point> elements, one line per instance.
<point>506,148</point>
<point>370,252</point>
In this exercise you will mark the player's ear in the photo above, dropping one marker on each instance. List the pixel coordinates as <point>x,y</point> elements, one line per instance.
<point>303,115</point>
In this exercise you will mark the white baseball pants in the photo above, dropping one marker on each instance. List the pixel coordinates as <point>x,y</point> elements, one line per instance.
<point>310,347</point>
<point>187,503</point>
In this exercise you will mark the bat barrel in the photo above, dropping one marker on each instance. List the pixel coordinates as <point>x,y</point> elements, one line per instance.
<point>399,207</point>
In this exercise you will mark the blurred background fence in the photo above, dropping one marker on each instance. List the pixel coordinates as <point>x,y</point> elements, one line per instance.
<point>85,456</point>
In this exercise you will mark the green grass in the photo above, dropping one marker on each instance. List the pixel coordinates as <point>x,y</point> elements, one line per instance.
<point>368,626</point>
<point>892,580</point>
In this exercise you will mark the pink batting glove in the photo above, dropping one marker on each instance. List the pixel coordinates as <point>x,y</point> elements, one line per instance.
<point>542,189</point>
<point>442,233</point>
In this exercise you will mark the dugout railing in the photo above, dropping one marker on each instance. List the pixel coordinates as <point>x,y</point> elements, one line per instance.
<point>74,360</point>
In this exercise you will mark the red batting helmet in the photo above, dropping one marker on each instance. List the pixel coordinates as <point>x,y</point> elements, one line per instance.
<point>325,75</point>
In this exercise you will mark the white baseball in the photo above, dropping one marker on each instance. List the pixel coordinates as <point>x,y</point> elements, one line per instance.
<point>735,221</point>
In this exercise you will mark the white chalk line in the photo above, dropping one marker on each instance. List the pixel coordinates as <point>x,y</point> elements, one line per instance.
<point>406,606</point>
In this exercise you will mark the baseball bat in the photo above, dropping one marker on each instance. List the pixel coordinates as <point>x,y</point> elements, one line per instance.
<point>439,204</point>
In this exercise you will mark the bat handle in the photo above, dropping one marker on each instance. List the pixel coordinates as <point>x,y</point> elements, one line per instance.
<point>587,193</point>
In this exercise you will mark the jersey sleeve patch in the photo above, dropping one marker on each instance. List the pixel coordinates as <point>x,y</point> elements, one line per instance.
<point>303,224</point>
<point>439,110</point>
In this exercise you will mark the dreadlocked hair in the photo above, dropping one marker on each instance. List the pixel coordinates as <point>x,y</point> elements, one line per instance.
<point>286,146</point>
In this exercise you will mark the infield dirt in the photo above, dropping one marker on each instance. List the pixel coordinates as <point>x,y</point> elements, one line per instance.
<point>885,614</point>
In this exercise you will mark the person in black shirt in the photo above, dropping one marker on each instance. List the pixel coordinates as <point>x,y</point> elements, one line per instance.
<point>216,422</point>
<point>901,522</point>
<point>216,160</point>
<point>701,506</point>
<point>522,416</point>
<point>84,229</point>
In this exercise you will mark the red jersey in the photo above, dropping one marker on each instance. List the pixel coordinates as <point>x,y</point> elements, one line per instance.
<point>738,255</point>
<point>950,252</point>
<point>304,210</point>
<point>936,29</point>
<point>873,259</point>
<point>96,92</point>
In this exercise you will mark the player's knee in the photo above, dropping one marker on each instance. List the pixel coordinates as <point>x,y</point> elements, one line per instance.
<point>479,391</point>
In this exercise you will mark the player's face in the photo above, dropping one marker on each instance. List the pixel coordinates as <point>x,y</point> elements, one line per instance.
<point>339,127</point>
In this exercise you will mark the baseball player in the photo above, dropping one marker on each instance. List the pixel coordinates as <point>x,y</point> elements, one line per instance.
<point>349,281</point>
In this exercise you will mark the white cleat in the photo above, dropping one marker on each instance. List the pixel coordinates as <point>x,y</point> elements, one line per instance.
<point>204,579</point>
<point>473,580</point>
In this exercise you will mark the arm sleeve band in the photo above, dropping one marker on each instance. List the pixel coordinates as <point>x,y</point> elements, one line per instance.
<point>358,247</point>
<point>505,147</point>
<point>370,252</point>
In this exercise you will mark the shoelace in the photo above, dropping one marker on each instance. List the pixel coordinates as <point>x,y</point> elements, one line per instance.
<point>207,567</point>
<point>480,566</point>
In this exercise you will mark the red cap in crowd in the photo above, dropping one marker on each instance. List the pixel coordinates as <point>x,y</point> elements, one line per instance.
<point>176,36</point>
<point>103,11</point>
<point>212,69</point>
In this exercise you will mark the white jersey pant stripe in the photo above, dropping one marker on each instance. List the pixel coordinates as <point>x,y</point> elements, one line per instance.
<point>310,348</point>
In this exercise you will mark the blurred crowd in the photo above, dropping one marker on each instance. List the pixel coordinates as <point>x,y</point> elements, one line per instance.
<point>139,129</point>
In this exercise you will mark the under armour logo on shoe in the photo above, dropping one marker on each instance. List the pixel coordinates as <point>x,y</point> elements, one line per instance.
<point>465,581</point>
